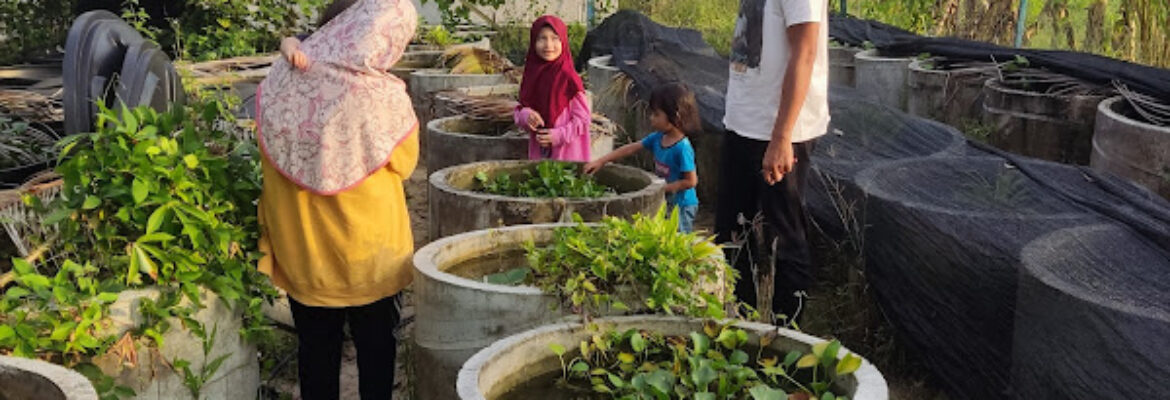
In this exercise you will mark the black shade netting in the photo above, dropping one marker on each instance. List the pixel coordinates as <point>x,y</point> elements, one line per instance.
<point>942,249</point>
<point>861,135</point>
<point>1088,67</point>
<point>1093,317</point>
<point>630,32</point>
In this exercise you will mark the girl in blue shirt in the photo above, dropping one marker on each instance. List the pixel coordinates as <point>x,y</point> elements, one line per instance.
<point>673,113</point>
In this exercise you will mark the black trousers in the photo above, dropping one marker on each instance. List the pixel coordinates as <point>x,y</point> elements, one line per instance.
<point>319,334</point>
<point>777,213</point>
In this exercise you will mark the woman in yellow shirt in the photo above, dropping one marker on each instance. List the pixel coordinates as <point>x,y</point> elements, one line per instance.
<point>339,137</point>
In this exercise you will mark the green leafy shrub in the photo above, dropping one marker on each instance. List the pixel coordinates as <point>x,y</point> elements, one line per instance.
<point>547,179</point>
<point>718,363</point>
<point>150,200</point>
<point>511,41</point>
<point>215,29</point>
<point>31,28</point>
<point>596,267</point>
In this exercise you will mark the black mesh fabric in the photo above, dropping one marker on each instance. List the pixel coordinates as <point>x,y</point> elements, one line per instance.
<point>1088,67</point>
<point>941,253</point>
<point>863,135</point>
<point>1093,316</point>
<point>629,34</point>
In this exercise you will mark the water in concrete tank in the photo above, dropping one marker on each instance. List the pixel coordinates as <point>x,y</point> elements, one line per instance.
<point>509,267</point>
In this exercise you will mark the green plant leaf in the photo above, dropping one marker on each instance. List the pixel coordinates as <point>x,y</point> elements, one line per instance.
<point>139,190</point>
<point>704,375</point>
<point>848,365</point>
<point>191,161</point>
<point>22,266</point>
<point>514,276</point>
<point>637,342</point>
<point>762,392</point>
<point>6,332</point>
<point>808,361</point>
<point>157,218</point>
<point>62,331</point>
<point>557,349</point>
<point>57,216</point>
<point>705,396</point>
<point>626,358</point>
<point>156,237</point>
<point>727,338</point>
<point>739,357</point>
<point>580,367</point>
<point>91,202</point>
<point>700,343</point>
<point>661,381</point>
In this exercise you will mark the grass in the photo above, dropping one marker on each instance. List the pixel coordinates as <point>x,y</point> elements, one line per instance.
<point>714,18</point>
<point>1132,30</point>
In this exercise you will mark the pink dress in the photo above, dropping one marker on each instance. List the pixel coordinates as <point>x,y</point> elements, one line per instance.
<point>570,132</point>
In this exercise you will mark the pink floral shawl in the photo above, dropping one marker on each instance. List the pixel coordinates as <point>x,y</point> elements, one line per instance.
<point>331,126</point>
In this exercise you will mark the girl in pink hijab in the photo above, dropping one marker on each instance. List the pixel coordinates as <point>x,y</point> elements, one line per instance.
<point>553,107</point>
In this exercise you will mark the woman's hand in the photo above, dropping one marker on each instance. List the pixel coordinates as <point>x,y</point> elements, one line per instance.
<point>290,48</point>
<point>593,166</point>
<point>535,122</point>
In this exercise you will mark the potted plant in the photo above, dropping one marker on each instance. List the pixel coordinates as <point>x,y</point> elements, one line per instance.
<point>146,282</point>
<point>516,278</point>
<point>659,357</point>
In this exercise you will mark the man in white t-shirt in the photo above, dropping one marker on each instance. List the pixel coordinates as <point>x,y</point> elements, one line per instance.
<point>777,105</point>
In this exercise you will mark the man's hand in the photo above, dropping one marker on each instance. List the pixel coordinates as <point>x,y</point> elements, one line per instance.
<point>779,160</point>
<point>290,48</point>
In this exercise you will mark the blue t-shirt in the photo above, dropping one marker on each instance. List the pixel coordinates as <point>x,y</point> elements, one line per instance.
<point>670,163</point>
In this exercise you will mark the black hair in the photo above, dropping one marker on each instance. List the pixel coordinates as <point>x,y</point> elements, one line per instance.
<point>335,8</point>
<point>678,103</point>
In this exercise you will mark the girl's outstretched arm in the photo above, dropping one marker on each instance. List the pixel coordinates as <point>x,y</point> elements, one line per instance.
<point>620,153</point>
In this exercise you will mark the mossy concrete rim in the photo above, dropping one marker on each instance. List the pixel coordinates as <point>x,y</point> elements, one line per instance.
<point>1107,109</point>
<point>428,259</point>
<point>871,385</point>
<point>440,180</point>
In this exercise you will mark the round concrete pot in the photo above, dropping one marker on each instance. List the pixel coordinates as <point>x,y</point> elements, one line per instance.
<point>413,61</point>
<point>946,234</point>
<point>238,376</point>
<point>447,104</point>
<point>517,359</point>
<point>1131,148</point>
<point>882,79</point>
<point>484,43</point>
<point>456,317</point>
<point>461,140</point>
<point>458,208</point>
<point>425,82</point>
<point>1093,302</point>
<point>950,95</point>
<point>841,65</point>
<point>25,379</point>
<point>1049,127</point>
